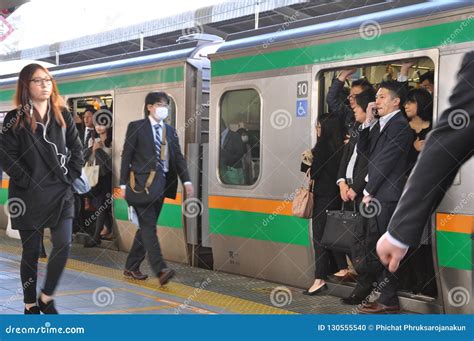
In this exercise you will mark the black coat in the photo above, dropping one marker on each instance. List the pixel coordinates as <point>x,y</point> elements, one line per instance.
<point>37,181</point>
<point>139,155</point>
<point>387,156</point>
<point>335,100</point>
<point>446,150</point>
<point>360,167</point>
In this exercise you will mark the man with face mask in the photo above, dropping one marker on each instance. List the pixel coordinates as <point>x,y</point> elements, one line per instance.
<point>151,147</point>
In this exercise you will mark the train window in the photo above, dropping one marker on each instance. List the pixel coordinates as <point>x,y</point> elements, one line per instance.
<point>239,142</point>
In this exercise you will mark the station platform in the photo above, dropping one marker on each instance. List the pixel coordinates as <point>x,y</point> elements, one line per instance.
<point>93,284</point>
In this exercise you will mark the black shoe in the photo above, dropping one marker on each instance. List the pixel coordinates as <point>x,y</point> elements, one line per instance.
<point>92,243</point>
<point>47,308</point>
<point>353,300</point>
<point>33,310</point>
<point>317,291</point>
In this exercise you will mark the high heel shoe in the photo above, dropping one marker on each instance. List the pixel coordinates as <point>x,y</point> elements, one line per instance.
<point>47,308</point>
<point>33,310</point>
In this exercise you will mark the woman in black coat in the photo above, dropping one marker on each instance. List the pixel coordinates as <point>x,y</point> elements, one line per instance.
<point>327,155</point>
<point>42,153</point>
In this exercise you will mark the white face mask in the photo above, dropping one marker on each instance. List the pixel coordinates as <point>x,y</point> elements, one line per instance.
<point>245,139</point>
<point>161,113</point>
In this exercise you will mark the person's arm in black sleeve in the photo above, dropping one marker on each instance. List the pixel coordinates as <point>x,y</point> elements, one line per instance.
<point>127,153</point>
<point>74,145</point>
<point>11,153</point>
<point>446,148</point>
<point>181,165</point>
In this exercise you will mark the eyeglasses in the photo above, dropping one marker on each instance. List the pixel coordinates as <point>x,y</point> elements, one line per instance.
<point>41,81</point>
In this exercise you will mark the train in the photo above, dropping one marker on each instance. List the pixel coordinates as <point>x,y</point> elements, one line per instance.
<point>273,86</point>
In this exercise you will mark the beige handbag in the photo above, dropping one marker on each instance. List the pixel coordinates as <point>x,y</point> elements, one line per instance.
<point>91,171</point>
<point>303,202</point>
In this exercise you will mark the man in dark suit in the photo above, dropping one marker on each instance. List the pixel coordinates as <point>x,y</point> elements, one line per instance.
<point>145,151</point>
<point>386,144</point>
<point>447,148</point>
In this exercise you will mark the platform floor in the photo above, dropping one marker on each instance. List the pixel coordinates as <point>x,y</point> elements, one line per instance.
<point>93,284</point>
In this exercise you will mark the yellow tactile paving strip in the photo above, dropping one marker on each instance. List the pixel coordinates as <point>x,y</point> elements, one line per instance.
<point>229,303</point>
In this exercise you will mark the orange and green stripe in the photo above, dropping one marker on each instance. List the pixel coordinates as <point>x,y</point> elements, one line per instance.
<point>260,219</point>
<point>454,240</point>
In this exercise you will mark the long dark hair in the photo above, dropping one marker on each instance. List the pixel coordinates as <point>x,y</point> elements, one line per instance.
<point>22,98</point>
<point>329,144</point>
<point>424,103</point>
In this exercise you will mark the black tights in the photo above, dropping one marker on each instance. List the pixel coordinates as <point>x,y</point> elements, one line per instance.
<point>30,239</point>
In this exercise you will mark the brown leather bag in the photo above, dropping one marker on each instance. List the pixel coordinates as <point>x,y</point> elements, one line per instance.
<point>303,202</point>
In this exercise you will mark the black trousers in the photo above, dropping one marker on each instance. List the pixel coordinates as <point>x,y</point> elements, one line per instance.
<point>146,240</point>
<point>324,258</point>
<point>379,276</point>
<point>61,236</point>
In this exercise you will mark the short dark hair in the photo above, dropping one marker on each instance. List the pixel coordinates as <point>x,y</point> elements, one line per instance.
<point>424,102</point>
<point>364,98</point>
<point>363,83</point>
<point>396,89</point>
<point>427,76</point>
<point>89,108</point>
<point>155,97</point>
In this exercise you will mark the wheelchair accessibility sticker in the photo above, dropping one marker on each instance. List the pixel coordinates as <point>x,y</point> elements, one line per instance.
<point>302,108</point>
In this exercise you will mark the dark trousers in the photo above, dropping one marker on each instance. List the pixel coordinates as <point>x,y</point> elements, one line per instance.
<point>385,281</point>
<point>324,257</point>
<point>31,240</point>
<point>146,240</point>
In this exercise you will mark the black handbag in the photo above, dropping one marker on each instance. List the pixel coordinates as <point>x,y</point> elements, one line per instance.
<point>144,189</point>
<point>341,229</point>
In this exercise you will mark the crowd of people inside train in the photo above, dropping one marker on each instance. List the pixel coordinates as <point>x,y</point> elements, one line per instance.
<point>367,145</point>
<point>93,209</point>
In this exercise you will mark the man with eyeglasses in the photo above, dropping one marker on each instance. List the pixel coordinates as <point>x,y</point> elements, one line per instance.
<point>151,164</point>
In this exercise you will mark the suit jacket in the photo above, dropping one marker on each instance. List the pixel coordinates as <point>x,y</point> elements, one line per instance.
<point>446,149</point>
<point>36,177</point>
<point>360,167</point>
<point>139,155</point>
<point>387,156</point>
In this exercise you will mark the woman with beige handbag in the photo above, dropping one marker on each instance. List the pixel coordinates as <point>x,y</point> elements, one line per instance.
<point>323,163</point>
<point>99,173</point>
